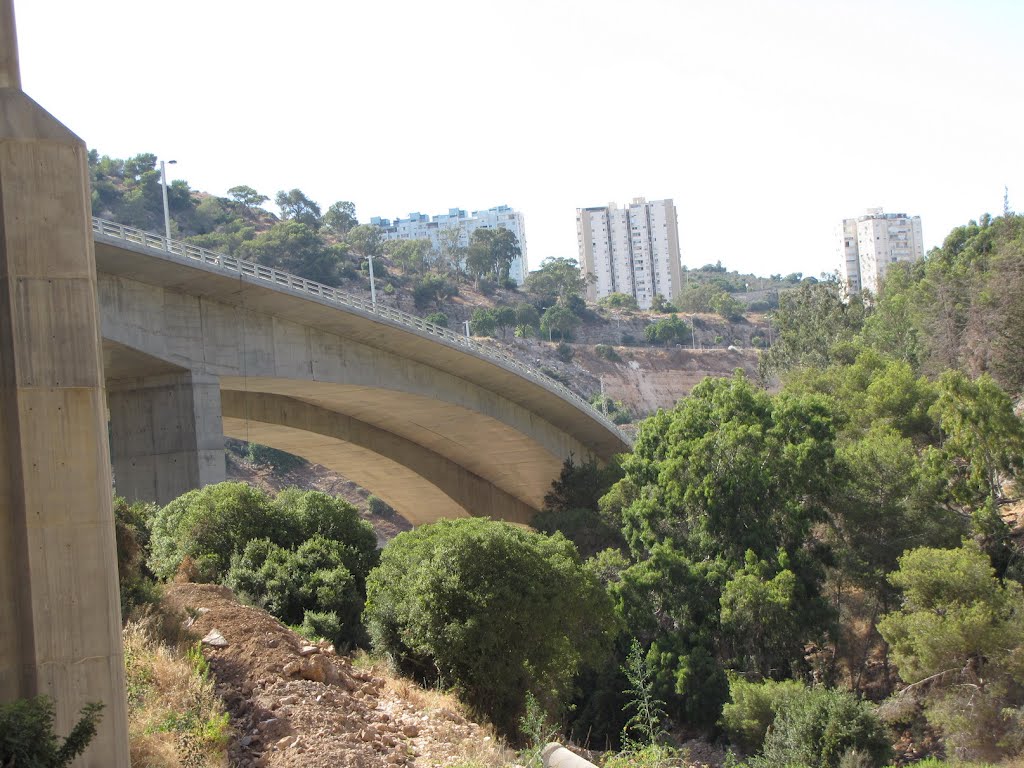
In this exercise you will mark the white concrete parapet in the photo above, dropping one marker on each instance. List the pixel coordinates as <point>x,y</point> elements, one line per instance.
<point>286,281</point>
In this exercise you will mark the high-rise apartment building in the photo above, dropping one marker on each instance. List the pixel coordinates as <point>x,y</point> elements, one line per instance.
<point>870,243</point>
<point>632,250</point>
<point>419,226</point>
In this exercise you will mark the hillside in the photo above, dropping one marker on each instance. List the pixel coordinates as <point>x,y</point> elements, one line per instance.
<point>293,703</point>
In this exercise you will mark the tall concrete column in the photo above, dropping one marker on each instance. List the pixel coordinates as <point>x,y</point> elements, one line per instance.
<point>60,628</point>
<point>166,435</point>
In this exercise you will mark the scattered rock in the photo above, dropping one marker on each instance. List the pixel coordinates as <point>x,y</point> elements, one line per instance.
<point>293,707</point>
<point>214,639</point>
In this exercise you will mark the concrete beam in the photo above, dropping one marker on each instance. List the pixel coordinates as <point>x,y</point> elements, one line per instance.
<point>419,483</point>
<point>60,623</point>
<point>166,435</point>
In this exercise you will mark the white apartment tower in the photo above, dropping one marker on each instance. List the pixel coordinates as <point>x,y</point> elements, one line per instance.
<point>422,227</point>
<point>870,243</point>
<point>632,250</point>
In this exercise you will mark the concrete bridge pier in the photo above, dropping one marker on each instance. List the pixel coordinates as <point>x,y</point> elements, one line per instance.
<point>166,435</point>
<point>60,623</point>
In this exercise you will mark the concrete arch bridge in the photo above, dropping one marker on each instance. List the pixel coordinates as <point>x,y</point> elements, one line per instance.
<point>198,345</point>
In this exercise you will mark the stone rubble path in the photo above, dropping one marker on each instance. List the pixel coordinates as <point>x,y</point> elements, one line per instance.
<point>295,703</point>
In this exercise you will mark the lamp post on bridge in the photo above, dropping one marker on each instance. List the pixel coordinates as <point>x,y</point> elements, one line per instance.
<point>167,213</point>
<point>373,288</point>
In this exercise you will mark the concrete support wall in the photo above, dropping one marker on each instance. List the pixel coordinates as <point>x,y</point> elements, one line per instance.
<point>59,607</point>
<point>166,435</point>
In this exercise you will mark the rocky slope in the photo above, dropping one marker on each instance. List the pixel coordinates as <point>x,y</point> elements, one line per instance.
<point>293,703</point>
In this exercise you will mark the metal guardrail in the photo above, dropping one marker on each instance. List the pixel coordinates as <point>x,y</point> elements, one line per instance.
<point>285,280</point>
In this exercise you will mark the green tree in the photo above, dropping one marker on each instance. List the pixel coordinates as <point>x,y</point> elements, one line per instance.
<point>432,289</point>
<point>297,248</point>
<point>557,280</point>
<point>753,707</point>
<point>341,217</point>
<point>619,301</point>
<point>483,322</point>
<point>697,297</point>
<point>412,255</point>
<point>980,429</point>
<point>27,739</point>
<point>893,327</point>
<point>450,253</point>
<point>527,319</point>
<point>365,240</point>
<point>437,318</point>
<point>572,506</point>
<point>730,469</point>
<point>207,526</point>
<point>456,603</point>
<point>668,331</point>
<point>813,324</point>
<point>506,249</point>
<point>959,637</point>
<point>481,258</point>
<point>247,198</point>
<point>504,318</point>
<point>758,616</point>
<point>727,307</point>
<point>295,206</point>
<point>314,577</point>
<point>660,304</point>
<point>819,727</point>
<point>558,319</point>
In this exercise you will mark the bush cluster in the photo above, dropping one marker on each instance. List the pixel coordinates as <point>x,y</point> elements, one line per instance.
<point>300,552</point>
<point>491,609</point>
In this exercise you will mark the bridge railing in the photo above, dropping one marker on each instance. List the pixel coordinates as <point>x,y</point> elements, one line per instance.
<point>232,264</point>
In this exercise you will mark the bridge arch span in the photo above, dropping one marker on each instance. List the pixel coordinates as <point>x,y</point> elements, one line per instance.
<point>435,429</point>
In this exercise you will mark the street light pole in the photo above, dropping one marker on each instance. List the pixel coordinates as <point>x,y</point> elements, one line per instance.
<point>167,213</point>
<point>373,288</point>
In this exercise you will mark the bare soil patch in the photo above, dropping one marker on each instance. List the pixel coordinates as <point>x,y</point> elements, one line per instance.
<point>294,703</point>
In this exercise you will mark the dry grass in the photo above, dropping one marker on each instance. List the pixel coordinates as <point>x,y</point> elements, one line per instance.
<point>489,752</point>
<point>175,720</point>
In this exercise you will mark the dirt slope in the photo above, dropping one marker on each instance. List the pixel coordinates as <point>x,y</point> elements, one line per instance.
<point>296,704</point>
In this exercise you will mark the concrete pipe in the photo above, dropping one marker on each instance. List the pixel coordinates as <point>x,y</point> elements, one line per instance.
<point>557,756</point>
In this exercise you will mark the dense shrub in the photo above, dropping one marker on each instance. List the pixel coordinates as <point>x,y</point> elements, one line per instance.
<point>207,526</point>
<point>308,585</point>
<point>461,603</point>
<point>607,352</point>
<point>618,301</point>
<point>311,513</point>
<point>210,525</point>
<point>961,629</point>
<point>437,318</point>
<point>131,534</point>
<point>564,352</point>
<point>27,739</point>
<point>280,461</point>
<point>821,726</point>
<point>752,709</point>
<point>301,551</point>
<point>378,507</point>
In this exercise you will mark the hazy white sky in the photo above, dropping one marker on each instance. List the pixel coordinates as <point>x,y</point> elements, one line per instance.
<point>767,121</point>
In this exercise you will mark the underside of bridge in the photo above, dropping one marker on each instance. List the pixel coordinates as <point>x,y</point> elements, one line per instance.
<point>421,484</point>
<point>428,457</point>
